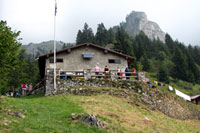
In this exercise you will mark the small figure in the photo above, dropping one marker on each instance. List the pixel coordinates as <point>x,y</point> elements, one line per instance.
<point>11,91</point>
<point>106,71</point>
<point>17,92</point>
<point>118,72</point>
<point>127,73</point>
<point>134,71</point>
<point>24,88</point>
<point>97,70</point>
<point>30,87</point>
<point>154,87</point>
<point>149,84</point>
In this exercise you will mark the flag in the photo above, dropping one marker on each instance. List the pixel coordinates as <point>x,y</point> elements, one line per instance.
<point>55,8</point>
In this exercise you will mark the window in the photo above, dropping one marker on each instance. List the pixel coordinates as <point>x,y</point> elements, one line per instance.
<point>116,61</point>
<point>87,55</point>
<point>58,60</point>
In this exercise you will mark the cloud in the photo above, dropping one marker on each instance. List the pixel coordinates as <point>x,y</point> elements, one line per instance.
<point>35,18</point>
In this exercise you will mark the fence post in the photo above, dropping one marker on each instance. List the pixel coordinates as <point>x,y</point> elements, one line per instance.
<point>87,74</point>
<point>141,76</point>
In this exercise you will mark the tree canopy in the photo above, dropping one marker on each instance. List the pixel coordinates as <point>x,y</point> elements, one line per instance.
<point>15,68</point>
<point>86,35</point>
<point>169,58</point>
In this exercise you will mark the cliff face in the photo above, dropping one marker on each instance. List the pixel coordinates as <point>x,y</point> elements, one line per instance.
<point>137,21</point>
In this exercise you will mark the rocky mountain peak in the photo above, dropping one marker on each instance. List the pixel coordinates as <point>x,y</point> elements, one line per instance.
<point>137,21</point>
<point>136,16</point>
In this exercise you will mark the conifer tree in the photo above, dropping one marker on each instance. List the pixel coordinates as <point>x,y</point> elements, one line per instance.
<point>180,69</point>
<point>85,36</point>
<point>101,37</point>
<point>111,36</point>
<point>169,42</point>
<point>122,41</point>
<point>163,74</point>
<point>194,71</point>
<point>9,52</point>
<point>145,62</point>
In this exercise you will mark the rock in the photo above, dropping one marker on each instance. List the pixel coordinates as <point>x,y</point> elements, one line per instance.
<point>17,114</point>
<point>137,104</point>
<point>6,122</point>
<point>137,21</point>
<point>89,119</point>
<point>20,115</point>
<point>24,111</point>
<point>75,116</point>
<point>92,120</point>
<point>146,118</point>
<point>16,121</point>
<point>139,90</point>
<point>9,112</point>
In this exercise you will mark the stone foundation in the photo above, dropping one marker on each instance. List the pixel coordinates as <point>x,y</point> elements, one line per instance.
<point>63,86</point>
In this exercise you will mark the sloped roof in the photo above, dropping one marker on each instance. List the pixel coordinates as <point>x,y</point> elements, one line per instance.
<point>88,44</point>
<point>195,97</point>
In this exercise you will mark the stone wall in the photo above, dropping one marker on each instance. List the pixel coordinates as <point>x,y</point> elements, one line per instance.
<point>62,85</point>
<point>65,86</point>
<point>75,61</point>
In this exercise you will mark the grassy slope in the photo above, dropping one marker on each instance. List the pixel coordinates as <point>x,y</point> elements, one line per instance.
<point>185,87</point>
<point>44,114</point>
<point>51,114</point>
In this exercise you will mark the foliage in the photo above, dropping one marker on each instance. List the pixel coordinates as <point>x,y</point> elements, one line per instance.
<point>9,53</point>
<point>85,36</point>
<point>15,69</point>
<point>122,42</point>
<point>145,63</point>
<point>67,45</point>
<point>26,72</point>
<point>163,74</point>
<point>179,61</point>
<point>179,70</point>
<point>110,36</point>
<point>101,37</point>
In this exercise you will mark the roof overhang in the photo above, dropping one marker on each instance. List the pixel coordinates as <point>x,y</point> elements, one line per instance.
<point>68,50</point>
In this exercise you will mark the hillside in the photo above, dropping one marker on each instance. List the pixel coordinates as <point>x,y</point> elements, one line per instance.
<point>43,47</point>
<point>120,109</point>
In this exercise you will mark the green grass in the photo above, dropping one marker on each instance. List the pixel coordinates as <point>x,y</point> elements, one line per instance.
<point>110,108</point>
<point>44,114</point>
<point>51,115</point>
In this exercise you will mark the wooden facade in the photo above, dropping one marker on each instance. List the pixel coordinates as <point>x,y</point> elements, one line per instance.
<point>195,99</point>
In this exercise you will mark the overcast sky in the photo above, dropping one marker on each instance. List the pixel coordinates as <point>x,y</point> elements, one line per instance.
<point>35,18</point>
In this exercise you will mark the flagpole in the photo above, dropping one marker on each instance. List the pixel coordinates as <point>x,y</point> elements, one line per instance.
<point>55,46</point>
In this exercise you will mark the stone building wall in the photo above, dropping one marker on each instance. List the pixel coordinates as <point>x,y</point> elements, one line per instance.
<point>74,60</point>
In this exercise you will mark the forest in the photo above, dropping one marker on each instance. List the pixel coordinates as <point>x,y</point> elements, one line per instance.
<point>171,60</point>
